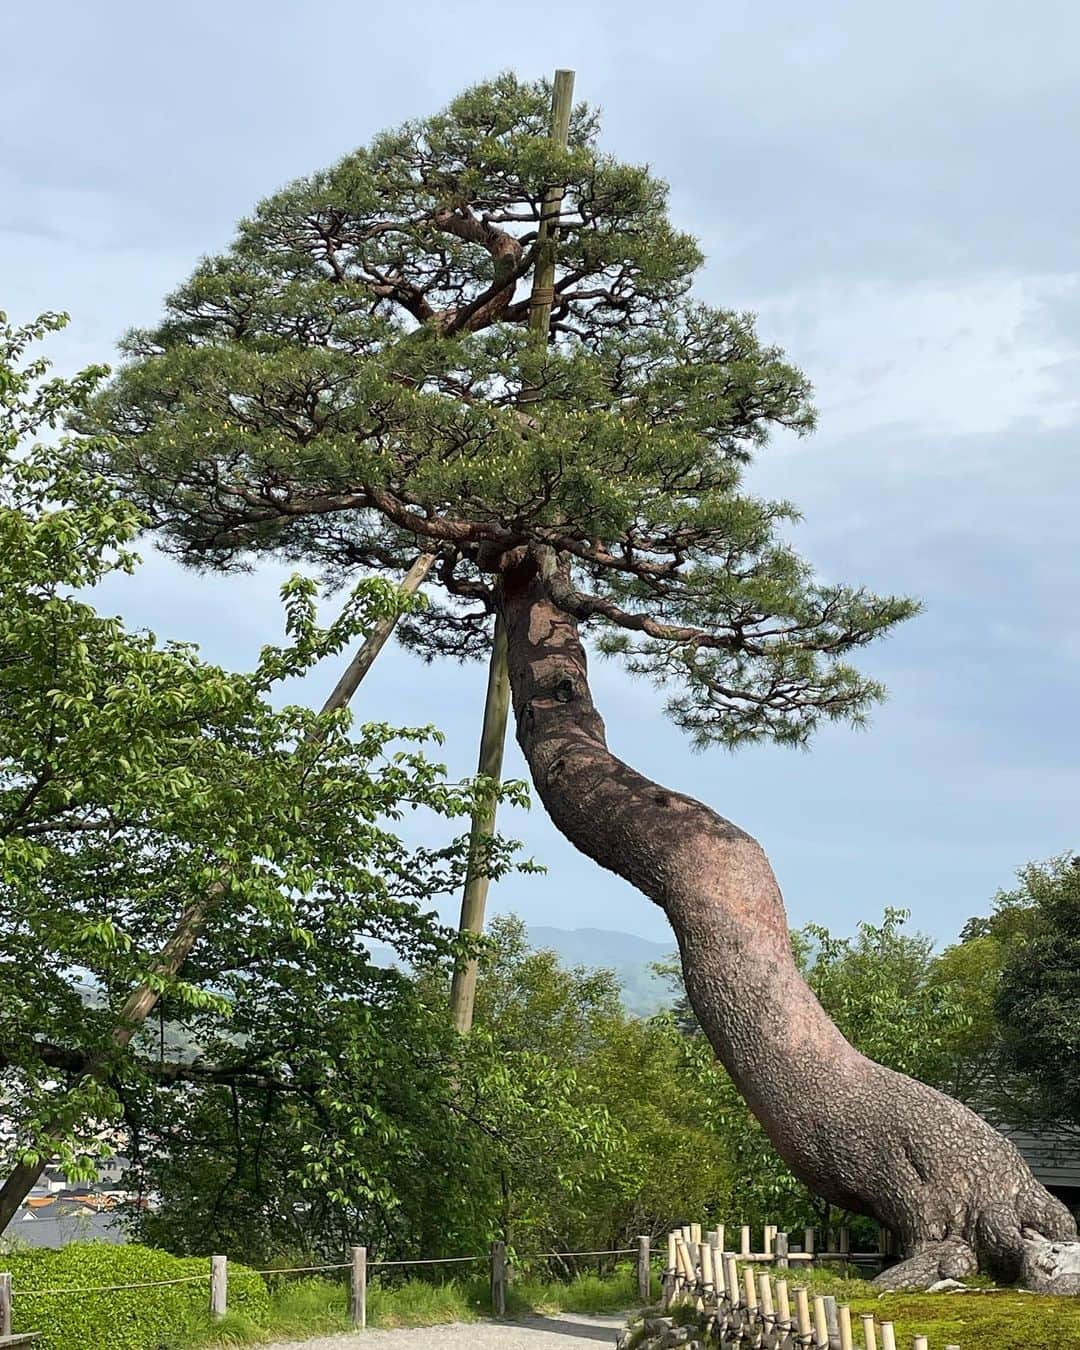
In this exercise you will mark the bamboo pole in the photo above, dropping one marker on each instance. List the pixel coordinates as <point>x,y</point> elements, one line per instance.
<point>846,1343</point>
<point>497,700</point>
<point>803,1325</point>
<point>376,640</point>
<point>708,1278</point>
<point>731,1278</point>
<point>783,1311</point>
<point>489,765</point>
<point>869,1331</point>
<point>821,1327</point>
<point>888,1336</point>
<point>744,1240</point>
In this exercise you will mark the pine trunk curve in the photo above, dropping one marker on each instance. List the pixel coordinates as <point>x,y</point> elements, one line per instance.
<point>954,1191</point>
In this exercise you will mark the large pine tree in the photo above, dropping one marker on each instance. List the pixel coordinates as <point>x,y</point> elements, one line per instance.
<point>345,385</point>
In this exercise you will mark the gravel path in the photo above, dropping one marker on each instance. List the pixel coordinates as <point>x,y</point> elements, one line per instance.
<point>561,1331</point>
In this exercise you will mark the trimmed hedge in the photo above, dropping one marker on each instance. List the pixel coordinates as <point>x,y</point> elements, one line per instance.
<point>129,1319</point>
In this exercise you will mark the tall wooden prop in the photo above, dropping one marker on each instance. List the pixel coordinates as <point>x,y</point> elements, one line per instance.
<point>497,701</point>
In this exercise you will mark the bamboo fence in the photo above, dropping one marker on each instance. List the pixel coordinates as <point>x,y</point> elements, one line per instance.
<point>744,1304</point>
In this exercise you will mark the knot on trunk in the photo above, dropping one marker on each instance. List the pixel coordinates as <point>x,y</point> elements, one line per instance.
<point>564,690</point>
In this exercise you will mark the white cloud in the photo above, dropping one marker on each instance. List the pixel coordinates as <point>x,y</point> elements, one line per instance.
<point>968,358</point>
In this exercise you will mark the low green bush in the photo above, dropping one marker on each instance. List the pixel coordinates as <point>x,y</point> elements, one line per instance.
<point>126,1319</point>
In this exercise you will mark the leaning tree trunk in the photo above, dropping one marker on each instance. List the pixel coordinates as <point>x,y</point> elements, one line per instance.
<point>955,1193</point>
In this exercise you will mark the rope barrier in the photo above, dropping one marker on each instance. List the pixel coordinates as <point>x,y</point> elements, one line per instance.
<point>427,1261</point>
<point>616,1251</point>
<point>307,1270</point>
<point>302,1270</point>
<point>110,1288</point>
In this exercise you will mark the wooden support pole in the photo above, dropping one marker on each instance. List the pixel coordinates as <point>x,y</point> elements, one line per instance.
<point>497,699</point>
<point>782,1250</point>
<point>644,1283</point>
<point>362,662</point>
<point>845,1240</point>
<point>489,765</point>
<point>808,1240</point>
<point>219,1287</point>
<point>498,1278</point>
<point>5,1303</point>
<point>358,1287</point>
<point>542,298</point>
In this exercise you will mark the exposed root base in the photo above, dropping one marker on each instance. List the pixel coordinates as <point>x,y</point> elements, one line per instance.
<point>948,1260</point>
<point>1046,1267</point>
<point>1050,1267</point>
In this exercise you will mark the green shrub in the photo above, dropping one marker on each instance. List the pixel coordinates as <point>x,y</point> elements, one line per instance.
<point>127,1319</point>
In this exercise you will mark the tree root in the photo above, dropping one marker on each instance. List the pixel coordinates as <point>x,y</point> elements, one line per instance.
<point>948,1260</point>
<point>1050,1267</point>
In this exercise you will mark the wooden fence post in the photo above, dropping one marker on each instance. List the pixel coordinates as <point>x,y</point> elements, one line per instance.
<point>219,1287</point>
<point>498,1278</point>
<point>5,1304</point>
<point>869,1330</point>
<point>782,1250</point>
<point>808,1240</point>
<point>888,1336</point>
<point>644,1283</point>
<point>358,1287</point>
<point>744,1240</point>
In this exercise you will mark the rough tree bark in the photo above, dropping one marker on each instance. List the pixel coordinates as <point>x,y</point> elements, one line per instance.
<point>954,1191</point>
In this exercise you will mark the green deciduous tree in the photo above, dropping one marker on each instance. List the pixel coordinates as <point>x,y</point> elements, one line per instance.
<point>1037,1001</point>
<point>164,831</point>
<point>343,385</point>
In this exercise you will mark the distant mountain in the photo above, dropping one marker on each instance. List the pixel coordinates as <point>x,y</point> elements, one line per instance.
<point>629,956</point>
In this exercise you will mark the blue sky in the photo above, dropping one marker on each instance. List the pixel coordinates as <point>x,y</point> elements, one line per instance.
<point>893,189</point>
